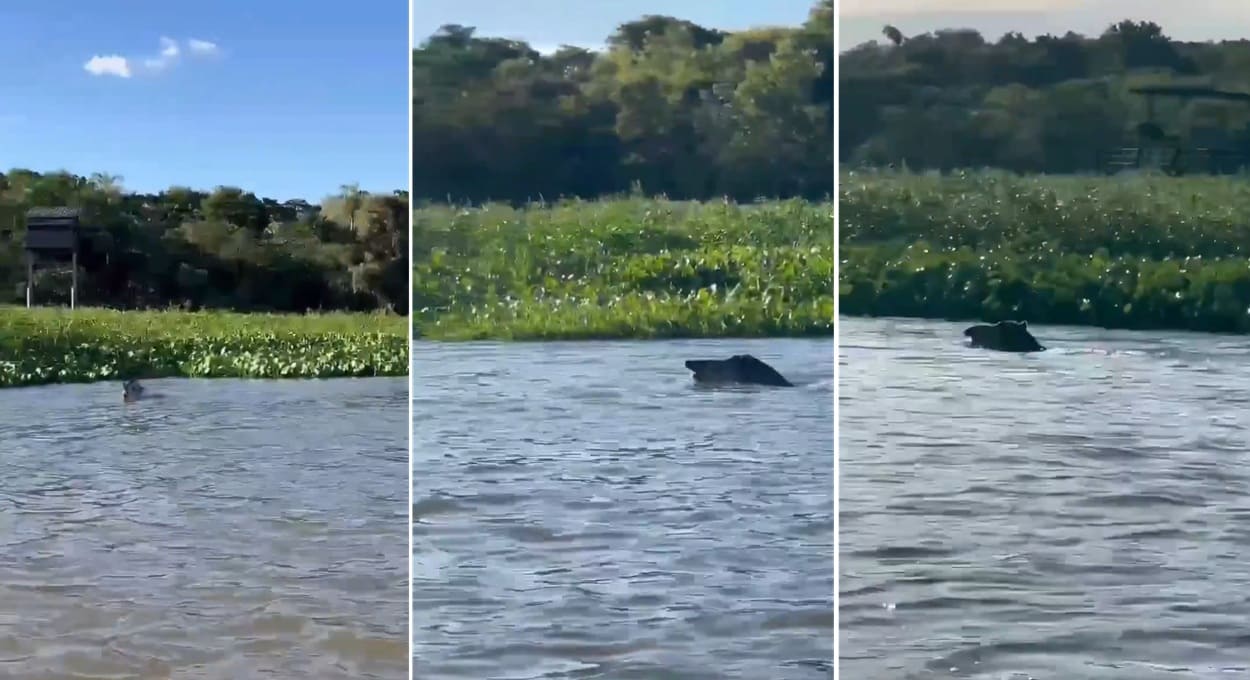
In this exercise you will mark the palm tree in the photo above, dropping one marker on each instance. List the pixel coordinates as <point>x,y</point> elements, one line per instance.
<point>109,185</point>
<point>353,198</point>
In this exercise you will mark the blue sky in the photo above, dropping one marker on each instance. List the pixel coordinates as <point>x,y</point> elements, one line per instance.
<point>285,98</point>
<point>546,24</point>
<point>1194,20</point>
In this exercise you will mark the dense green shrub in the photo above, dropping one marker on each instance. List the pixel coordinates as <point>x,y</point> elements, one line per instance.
<point>58,345</point>
<point>627,268</point>
<point>1139,252</point>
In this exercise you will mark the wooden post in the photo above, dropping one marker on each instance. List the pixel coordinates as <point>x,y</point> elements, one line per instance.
<point>73,278</point>
<point>30,276</point>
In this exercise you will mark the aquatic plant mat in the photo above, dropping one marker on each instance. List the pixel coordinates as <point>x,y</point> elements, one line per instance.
<point>1142,252</point>
<point>623,268</point>
<point>57,345</point>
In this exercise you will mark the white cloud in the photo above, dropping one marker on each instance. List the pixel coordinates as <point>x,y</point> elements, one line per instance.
<point>108,65</point>
<point>169,47</point>
<point>202,46</point>
<point>169,55</point>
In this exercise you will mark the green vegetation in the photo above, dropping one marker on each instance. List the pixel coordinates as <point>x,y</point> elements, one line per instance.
<point>1051,104</point>
<point>1123,252</point>
<point>679,109</point>
<point>225,249</point>
<point>625,268</point>
<point>53,345</point>
<point>667,108</point>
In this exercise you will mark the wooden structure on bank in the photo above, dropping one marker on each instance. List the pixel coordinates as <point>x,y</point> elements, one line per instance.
<point>1204,150</point>
<point>52,235</point>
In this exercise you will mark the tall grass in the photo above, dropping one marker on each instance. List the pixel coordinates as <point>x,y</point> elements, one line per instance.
<point>1128,252</point>
<point>49,345</point>
<point>627,268</point>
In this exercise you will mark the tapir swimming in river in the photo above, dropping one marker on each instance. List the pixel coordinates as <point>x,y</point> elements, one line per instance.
<point>131,391</point>
<point>740,369</point>
<point>1004,336</point>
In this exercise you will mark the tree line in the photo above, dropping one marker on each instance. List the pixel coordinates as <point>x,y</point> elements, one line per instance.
<point>953,99</point>
<point>668,107</point>
<point>222,249</point>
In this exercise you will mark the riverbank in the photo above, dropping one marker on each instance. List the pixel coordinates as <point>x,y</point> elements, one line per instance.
<point>1118,252</point>
<point>627,268</point>
<point>56,345</point>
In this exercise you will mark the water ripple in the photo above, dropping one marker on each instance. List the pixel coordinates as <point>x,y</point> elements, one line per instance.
<point>227,529</point>
<point>1072,514</point>
<point>582,512</point>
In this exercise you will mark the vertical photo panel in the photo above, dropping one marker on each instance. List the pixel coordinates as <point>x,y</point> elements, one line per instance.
<point>623,340</point>
<point>1045,292</point>
<point>204,299</point>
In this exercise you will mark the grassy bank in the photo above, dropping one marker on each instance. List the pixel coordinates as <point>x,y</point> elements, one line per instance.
<point>1121,252</point>
<point>627,268</point>
<point>55,345</point>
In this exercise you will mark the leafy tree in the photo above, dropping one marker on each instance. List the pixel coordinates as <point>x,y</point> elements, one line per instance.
<point>223,249</point>
<point>668,106</point>
<point>952,99</point>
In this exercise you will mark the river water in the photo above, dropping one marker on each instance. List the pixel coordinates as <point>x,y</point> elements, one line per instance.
<point>582,511</point>
<point>1077,513</point>
<point>224,529</point>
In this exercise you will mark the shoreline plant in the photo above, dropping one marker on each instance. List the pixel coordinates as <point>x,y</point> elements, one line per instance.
<point>624,268</point>
<point>58,345</point>
<point>1135,252</point>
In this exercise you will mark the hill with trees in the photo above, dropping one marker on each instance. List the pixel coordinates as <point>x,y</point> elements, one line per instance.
<point>953,99</point>
<point>668,107</point>
<point>223,249</point>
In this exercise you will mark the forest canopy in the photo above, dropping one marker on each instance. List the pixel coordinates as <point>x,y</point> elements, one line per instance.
<point>953,99</point>
<point>668,107</point>
<point>223,249</point>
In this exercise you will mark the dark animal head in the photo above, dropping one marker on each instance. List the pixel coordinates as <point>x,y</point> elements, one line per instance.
<point>131,390</point>
<point>740,368</point>
<point>1011,336</point>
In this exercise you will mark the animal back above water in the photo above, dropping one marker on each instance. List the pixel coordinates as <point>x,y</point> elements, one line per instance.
<point>740,369</point>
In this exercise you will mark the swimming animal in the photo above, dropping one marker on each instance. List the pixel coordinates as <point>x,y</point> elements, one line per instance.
<point>739,368</point>
<point>1004,336</point>
<point>131,391</point>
